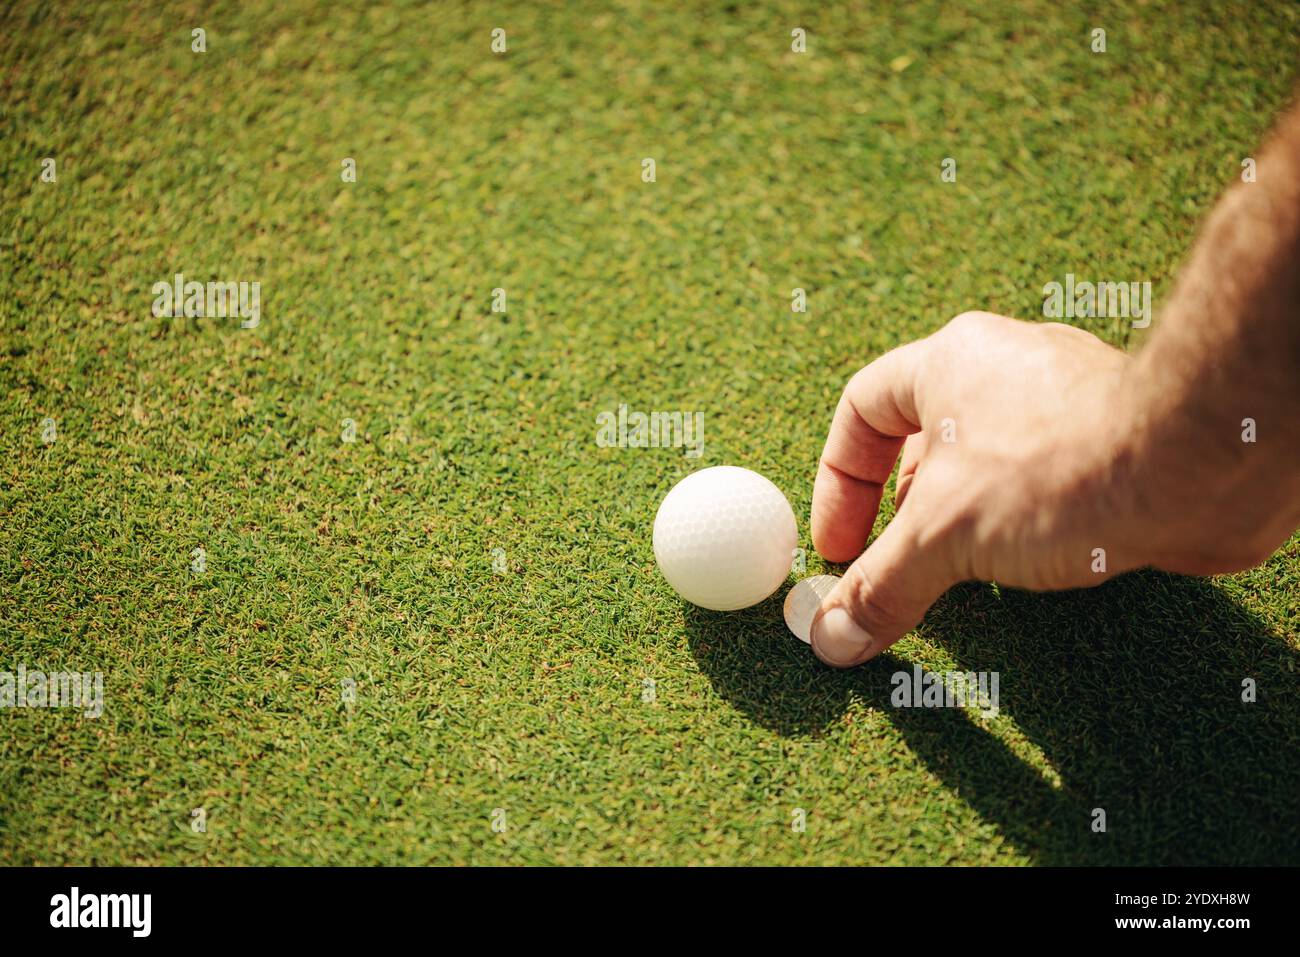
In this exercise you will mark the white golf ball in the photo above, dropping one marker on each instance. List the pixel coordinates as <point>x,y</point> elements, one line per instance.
<point>724,538</point>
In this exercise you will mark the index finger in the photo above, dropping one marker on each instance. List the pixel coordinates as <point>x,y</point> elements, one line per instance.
<point>875,414</point>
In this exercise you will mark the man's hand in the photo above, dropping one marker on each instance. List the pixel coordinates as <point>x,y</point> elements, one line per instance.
<point>1010,447</point>
<point>1037,456</point>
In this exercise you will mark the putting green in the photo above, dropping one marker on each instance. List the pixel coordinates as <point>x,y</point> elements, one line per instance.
<point>425,623</point>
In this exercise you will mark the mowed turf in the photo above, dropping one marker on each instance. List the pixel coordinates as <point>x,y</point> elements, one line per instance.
<point>524,689</point>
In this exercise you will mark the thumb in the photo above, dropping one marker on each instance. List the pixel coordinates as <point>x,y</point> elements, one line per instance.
<point>883,595</point>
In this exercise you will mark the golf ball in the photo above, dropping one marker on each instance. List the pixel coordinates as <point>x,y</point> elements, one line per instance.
<point>724,538</point>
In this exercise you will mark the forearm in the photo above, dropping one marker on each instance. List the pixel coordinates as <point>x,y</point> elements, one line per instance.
<point>1214,431</point>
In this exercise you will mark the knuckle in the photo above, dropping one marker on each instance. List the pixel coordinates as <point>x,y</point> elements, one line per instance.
<point>970,321</point>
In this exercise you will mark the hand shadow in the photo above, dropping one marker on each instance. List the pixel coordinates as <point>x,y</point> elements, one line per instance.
<point>1132,690</point>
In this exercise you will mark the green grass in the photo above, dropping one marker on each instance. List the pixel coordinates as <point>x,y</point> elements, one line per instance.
<point>372,561</point>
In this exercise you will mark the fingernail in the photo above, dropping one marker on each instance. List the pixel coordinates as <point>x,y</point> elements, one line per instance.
<point>839,639</point>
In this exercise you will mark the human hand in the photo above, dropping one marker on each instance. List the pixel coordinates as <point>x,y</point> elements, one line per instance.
<point>1012,453</point>
<point>1038,456</point>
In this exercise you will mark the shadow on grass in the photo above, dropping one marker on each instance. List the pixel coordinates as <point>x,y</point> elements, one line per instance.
<point>1132,691</point>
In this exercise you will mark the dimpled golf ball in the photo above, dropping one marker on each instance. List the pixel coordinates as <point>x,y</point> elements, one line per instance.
<point>724,538</point>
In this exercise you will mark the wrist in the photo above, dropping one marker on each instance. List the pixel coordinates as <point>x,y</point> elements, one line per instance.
<point>1189,482</point>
